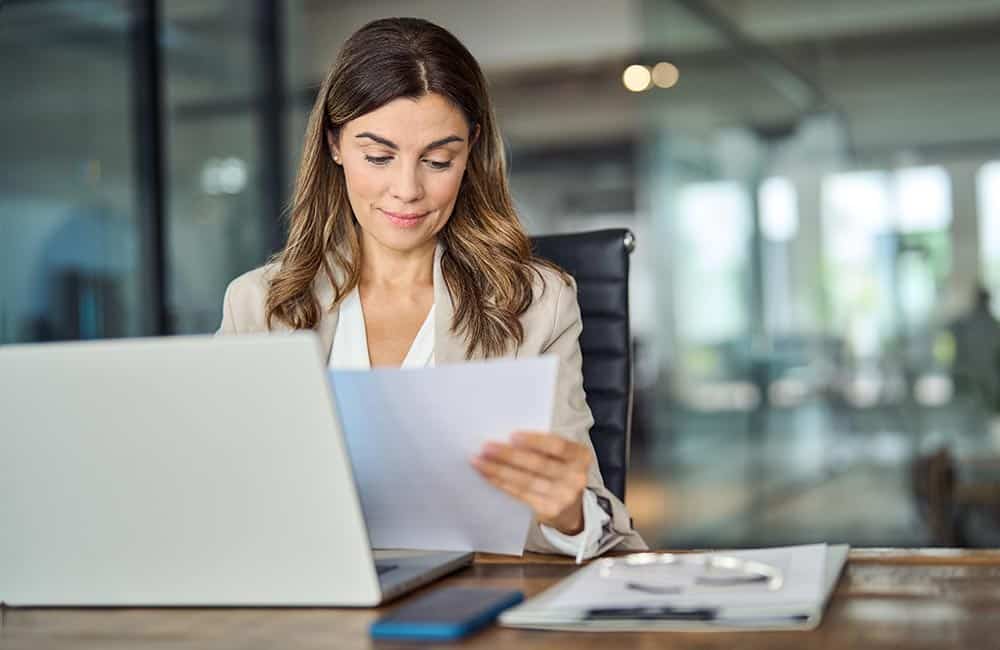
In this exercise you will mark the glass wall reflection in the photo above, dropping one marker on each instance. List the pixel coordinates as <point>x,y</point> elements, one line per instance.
<point>216,228</point>
<point>69,235</point>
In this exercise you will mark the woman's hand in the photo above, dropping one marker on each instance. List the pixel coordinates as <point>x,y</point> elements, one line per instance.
<point>547,472</point>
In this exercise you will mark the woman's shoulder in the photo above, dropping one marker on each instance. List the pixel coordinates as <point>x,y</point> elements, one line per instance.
<point>253,283</point>
<point>550,284</point>
<point>554,301</point>
<point>246,298</point>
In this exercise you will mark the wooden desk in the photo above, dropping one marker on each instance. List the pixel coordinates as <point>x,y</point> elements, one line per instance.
<point>887,598</point>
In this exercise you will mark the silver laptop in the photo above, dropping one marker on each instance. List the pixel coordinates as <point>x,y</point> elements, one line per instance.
<point>184,471</point>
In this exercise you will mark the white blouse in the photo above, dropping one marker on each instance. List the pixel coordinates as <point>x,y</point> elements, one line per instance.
<point>350,342</point>
<point>350,352</point>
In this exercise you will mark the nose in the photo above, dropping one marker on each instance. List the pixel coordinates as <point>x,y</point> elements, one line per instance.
<point>406,186</point>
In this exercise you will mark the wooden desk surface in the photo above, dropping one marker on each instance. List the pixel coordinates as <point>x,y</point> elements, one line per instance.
<point>887,598</point>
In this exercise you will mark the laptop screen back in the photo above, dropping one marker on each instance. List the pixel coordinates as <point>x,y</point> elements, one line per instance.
<point>177,471</point>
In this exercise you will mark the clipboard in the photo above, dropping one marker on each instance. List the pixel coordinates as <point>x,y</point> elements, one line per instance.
<point>577,603</point>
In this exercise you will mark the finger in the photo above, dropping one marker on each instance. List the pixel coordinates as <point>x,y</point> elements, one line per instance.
<point>526,458</point>
<point>563,491</point>
<point>523,479</point>
<point>553,445</point>
<point>543,508</point>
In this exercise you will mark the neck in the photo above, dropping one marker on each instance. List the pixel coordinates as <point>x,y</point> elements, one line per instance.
<point>386,268</point>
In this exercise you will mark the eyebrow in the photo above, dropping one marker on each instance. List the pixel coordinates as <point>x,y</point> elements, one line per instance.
<point>392,145</point>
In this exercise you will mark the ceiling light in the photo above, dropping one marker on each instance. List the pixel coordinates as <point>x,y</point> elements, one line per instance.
<point>636,78</point>
<point>665,75</point>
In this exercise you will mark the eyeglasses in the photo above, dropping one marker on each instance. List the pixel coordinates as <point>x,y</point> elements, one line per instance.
<point>675,573</point>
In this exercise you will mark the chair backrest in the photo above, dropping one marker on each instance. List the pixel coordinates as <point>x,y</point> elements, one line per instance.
<point>599,261</point>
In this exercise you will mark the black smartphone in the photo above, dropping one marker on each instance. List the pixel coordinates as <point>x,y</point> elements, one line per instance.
<point>445,614</point>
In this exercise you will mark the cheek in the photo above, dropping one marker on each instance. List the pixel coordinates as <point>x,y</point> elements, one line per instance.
<point>445,190</point>
<point>362,183</point>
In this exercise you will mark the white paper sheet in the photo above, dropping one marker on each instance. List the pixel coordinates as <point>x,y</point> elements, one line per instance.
<point>411,434</point>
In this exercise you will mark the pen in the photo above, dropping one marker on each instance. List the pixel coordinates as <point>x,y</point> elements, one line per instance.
<point>653,613</point>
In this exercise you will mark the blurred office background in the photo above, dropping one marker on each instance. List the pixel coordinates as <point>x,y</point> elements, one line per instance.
<point>814,187</point>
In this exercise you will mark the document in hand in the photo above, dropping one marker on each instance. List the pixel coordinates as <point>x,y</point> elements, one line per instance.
<point>688,595</point>
<point>411,434</point>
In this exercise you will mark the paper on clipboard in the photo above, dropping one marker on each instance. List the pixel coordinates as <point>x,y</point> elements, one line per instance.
<point>811,573</point>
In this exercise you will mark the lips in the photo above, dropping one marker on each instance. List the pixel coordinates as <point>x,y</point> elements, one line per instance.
<point>405,219</point>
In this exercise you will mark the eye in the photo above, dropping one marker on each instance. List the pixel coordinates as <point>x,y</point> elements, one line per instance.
<point>380,161</point>
<point>438,165</point>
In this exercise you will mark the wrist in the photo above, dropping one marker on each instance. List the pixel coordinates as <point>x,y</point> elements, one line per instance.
<point>571,521</point>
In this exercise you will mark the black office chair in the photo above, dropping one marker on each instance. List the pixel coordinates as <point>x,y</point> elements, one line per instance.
<point>598,260</point>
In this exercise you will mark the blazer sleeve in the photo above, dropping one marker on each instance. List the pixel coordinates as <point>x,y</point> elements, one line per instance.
<point>572,418</point>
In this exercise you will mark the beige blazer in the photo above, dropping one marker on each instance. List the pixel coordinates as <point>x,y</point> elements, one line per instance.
<point>552,325</point>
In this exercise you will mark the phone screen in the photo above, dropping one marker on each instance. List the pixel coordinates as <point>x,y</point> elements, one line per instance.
<point>453,605</point>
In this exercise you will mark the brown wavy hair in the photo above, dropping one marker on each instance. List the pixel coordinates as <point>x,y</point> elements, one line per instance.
<point>487,261</point>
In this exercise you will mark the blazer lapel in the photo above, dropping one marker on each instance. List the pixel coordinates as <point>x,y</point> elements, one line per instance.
<point>327,325</point>
<point>448,346</point>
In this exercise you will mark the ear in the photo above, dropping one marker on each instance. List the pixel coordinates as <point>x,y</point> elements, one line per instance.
<point>334,148</point>
<point>474,135</point>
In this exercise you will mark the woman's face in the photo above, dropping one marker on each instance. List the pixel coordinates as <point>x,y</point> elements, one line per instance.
<point>403,164</point>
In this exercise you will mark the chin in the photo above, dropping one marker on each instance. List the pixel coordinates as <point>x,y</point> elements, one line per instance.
<point>402,240</point>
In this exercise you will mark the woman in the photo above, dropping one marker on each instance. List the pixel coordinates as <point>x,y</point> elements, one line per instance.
<point>404,249</point>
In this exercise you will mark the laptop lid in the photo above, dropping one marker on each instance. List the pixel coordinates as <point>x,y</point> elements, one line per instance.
<point>177,471</point>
